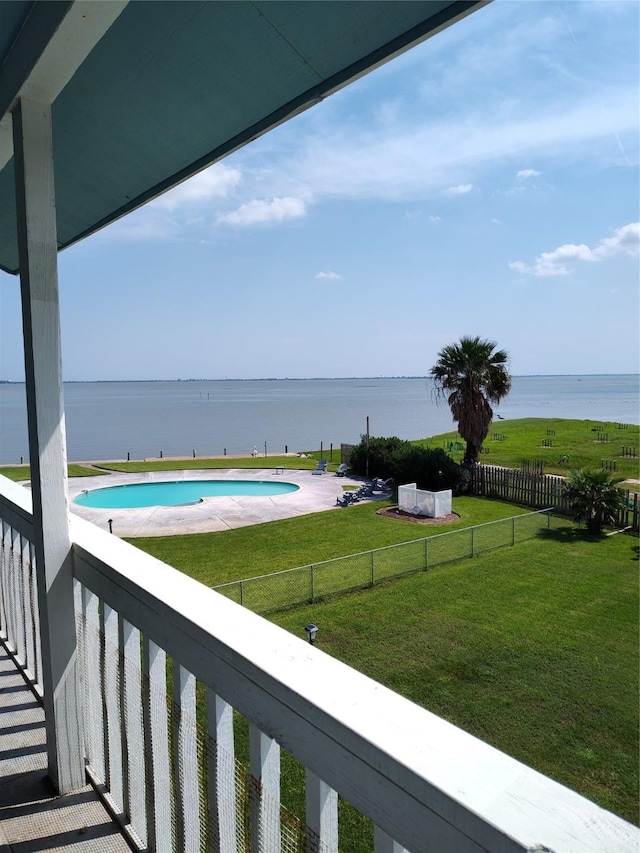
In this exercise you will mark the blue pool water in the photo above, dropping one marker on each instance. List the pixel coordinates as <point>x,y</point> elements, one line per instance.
<point>181,493</point>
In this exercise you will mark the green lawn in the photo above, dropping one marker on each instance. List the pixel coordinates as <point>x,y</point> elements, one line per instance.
<point>533,649</point>
<point>299,463</point>
<point>215,558</point>
<point>23,472</point>
<point>511,441</point>
<point>18,473</point>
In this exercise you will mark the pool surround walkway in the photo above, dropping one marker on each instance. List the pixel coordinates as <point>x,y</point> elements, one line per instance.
<point>316,492</point>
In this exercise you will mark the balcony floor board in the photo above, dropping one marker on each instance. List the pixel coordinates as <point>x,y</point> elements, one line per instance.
<point>32,817</point>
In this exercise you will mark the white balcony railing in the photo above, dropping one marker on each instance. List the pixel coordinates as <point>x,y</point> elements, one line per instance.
<point>169,769</point>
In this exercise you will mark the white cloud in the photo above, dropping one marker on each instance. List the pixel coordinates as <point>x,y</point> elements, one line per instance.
<point>214,182</point>
<point>260,211</point>
<point>461,189</point>
<point>435,219</point>
<point>424,154</point>
<point>329,274</point>
<point>626,240</point>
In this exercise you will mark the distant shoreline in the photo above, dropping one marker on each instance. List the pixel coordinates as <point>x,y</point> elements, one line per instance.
<point>308,378</point>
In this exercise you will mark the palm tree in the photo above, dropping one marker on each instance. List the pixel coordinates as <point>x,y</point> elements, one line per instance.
<point>472,374</point>
<point>594,497</point>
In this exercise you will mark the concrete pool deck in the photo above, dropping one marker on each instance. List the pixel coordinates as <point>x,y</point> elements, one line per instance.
<point>317,492</point>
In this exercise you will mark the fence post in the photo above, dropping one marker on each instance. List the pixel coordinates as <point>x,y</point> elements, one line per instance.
<point>513,530</point>
<point>312,579</point>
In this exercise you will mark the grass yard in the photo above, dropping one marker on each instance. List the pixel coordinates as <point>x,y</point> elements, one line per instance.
<point>18,473</point>
<point>533,649</point>
<point>299,463</point>
<point>246,552</point>
<point>585,444</point>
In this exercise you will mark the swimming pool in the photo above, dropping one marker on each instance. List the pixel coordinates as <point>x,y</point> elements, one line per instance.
<point>177,493</point>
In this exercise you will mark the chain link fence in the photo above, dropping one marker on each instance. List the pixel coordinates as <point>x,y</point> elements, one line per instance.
<point>308,584</point>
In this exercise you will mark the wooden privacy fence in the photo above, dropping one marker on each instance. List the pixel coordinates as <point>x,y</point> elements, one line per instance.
<point>537,490</point>
<point>520,487</point>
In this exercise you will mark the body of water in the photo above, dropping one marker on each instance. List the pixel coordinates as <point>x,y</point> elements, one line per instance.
<point>108,420</point>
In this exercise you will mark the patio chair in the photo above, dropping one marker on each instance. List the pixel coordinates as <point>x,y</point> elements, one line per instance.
<point>380,485</point>
<point>365,490</point>
<point>348,498</point>
<point>321,467</point>
<point>341,470</point>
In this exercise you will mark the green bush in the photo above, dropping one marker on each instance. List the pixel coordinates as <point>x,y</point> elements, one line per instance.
<point>429,468</point>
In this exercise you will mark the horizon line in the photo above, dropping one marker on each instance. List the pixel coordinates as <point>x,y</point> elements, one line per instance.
<point>308,378</point>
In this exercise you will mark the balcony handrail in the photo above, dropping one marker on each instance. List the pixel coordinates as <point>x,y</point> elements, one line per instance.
<point>426,783</point>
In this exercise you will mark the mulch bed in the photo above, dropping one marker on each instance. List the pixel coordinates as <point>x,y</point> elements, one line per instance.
<point>395,512</point>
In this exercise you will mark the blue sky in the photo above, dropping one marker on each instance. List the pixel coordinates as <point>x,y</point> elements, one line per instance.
<point>485,182</point>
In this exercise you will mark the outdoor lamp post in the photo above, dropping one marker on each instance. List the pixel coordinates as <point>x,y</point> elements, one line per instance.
<point>311,630</point>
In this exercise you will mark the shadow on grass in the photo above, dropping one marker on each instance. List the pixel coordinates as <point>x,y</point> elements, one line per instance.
<point>570,534</point>
<point>580,534</point>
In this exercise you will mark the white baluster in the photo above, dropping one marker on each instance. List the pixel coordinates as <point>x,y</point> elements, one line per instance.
<point>383,844</point>
<point>222,776</point>
<point>135,788</point>
<point>4,559</point>
<point>265,795</point>
<point>186,760</point>
<point>21,637</point>
<point>156,731</point>
<point>33,592</point>
<point>93,710</point>
<point>112,705</point>
<point>8,583</point>
<point>321,814</point>
<point>29,638</point>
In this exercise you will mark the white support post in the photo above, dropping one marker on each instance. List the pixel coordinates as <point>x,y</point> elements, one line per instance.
<point>264,760</point>
<point>37,243</point>
<point>321,815</point>
<point>222,775</point>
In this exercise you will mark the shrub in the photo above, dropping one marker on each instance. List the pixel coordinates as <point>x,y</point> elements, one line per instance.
<point>594,497</point>
<point>429,468</point>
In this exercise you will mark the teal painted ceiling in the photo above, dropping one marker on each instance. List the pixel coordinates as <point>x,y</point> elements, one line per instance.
<point>171,87</point>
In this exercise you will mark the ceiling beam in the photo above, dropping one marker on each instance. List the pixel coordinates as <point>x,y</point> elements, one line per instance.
<point>54,41</point>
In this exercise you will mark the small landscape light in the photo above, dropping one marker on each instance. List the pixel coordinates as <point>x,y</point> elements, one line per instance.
<point>311,630</point>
